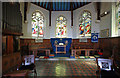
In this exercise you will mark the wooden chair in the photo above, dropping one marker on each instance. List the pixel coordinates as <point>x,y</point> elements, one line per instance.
<point>105,68</point>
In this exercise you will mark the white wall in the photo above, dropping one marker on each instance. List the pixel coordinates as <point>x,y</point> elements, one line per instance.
<point>49,31</point>
<point>54,15</point>
<point>105,22</point>
<point>76,15</point>
<point>27,27</point>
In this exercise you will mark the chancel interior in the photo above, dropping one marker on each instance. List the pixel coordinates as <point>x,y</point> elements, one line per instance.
<point>61,39</point>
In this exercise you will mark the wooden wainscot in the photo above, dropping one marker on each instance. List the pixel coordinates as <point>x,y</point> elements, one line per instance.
<point>10,63</point>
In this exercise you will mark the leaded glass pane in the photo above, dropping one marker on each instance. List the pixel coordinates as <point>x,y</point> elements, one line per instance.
<point>61,27</point>
<point>37,24</point>
<point>85,24</point>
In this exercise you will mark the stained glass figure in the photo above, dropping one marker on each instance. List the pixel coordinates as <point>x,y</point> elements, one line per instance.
<point>37,24</point>
<point>85,24</point>
<point>118,14</point>
<point>61,24</point>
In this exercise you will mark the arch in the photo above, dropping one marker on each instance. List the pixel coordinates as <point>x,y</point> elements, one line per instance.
<point>37,24</point>
<point>85,22</point>
<point>61,23</point>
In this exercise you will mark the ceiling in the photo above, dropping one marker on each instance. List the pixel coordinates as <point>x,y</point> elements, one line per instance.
<point>60,6</point>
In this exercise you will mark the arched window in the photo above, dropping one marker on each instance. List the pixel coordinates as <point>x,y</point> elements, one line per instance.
<point>37,24</point>
<point>85,24</point>
<point>117,17</point>
<point>61,24</point>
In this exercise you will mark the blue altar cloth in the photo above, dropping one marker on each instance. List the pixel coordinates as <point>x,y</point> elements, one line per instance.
<point>61,40</point>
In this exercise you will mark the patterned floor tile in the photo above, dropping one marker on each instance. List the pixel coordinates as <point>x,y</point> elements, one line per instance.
<point>63,67</point>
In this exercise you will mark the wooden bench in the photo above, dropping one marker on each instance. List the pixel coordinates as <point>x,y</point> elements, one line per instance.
<point>35,48</point>
<point>87,51</point>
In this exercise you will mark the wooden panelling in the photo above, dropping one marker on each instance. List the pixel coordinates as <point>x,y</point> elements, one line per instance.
<point>33,46</point>
<point>10,62</point>
<point>9,44</point>
<point>106,44</point>
<point>82,45</point>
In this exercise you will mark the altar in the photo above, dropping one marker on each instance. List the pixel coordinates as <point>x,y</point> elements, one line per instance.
<point>59,49</point>
<point>61,45</point>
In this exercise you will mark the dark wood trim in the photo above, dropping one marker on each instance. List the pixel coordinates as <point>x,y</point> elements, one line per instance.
<point>48,6</point>
<point>77,4</point>
<point>73,4</point>
<point>40,6</point>
<point>71,13</point>
<point>7,32</point>
<point>61,10</point>
<point>9,44</point>
<point>55,6</point>
<point>25,11</point>
<point>51,5</point>
<point>98,10</point>
<point>81,5</point>
<point>50,18</point>
<point>45,5</point>
<point>72,18</point>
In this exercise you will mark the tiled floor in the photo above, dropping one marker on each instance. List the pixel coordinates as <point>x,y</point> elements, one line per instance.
<point>66,67</point>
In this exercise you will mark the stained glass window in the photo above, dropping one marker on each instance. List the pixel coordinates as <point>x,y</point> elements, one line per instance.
<point>117,14</point>
<point>37,24</point>
<point>61,24</point>
<point>85,24</point>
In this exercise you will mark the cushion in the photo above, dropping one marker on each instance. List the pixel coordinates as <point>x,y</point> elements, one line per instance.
<point>105,64</point>
<point>100,53</point>
<point>46,57</point>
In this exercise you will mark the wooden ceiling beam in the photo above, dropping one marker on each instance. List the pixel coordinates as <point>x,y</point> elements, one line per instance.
<point>39,4</point>
<point>80,4</point>
<point>45,5</point>
<point>98,10</point>
<point>25,11</point>
<point>48,6</point>
<point>62,8</point>
<point>51,7</point>
<point>71,13</point>
<point>73,5</point>
<point>42,5</point>
<point>77,4</point>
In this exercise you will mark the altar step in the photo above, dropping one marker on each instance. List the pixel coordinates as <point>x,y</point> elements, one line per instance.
<point>61,55</point>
